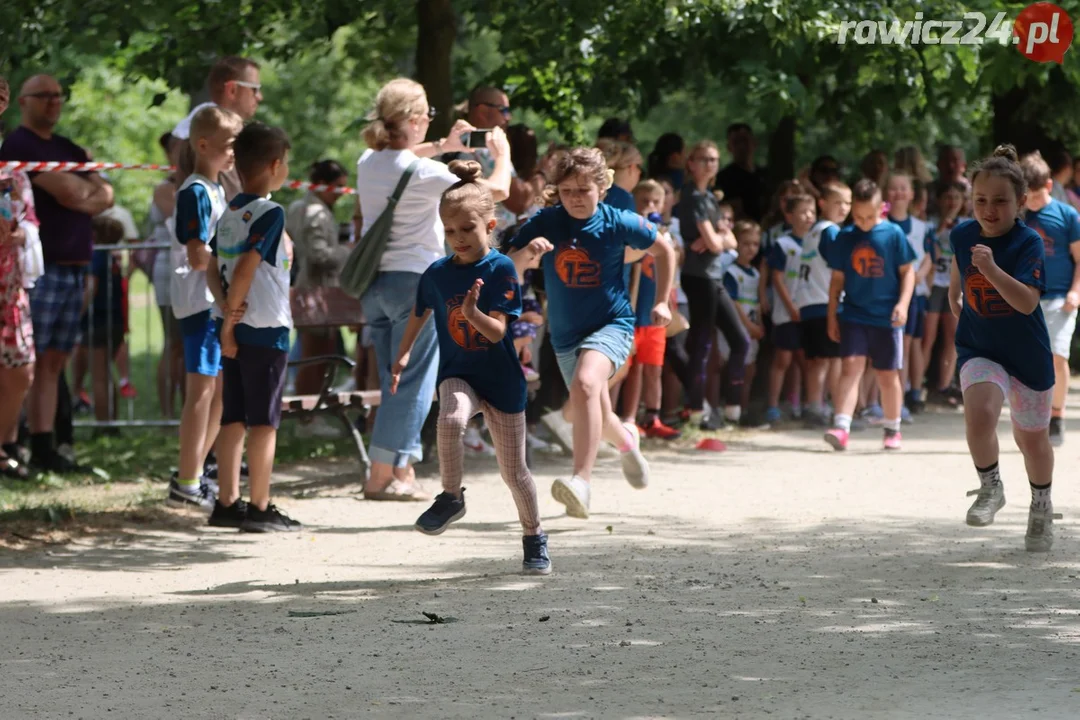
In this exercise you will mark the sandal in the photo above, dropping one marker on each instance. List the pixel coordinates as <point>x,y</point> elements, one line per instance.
<point>12,468</point>
<point>399,491</point>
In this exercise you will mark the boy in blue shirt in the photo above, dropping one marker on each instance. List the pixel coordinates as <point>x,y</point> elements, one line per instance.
<point>872,265</point>
<point>1058,225</point>
<point>250,281</point>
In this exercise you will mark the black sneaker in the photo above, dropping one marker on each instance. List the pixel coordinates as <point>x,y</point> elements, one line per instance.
<point>228,516</point>
<point>269,520</point>
<point>536,560</point>
<point>54,462</point>
<point>210,470</point>
<point>445,510</point>
<point>182,496</point>
<point>1057,431</point>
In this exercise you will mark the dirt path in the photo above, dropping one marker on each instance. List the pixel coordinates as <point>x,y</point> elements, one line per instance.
<point>776,580</point>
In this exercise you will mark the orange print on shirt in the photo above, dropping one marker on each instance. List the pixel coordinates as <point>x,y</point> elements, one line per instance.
<point>866,262</point>
<point>576,269</point>
<point>464,334</point>
<point>1048,243</point>
<point>982,297</point>
<point>648,267</point>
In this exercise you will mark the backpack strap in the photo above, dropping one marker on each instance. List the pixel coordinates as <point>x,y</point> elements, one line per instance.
<point>405,176</point>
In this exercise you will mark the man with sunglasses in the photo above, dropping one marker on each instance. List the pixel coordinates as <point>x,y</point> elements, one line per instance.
<point>234,85</point>
<point>65,204</point>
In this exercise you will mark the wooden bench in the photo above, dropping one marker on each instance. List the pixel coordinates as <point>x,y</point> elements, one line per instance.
<point>325,308</point>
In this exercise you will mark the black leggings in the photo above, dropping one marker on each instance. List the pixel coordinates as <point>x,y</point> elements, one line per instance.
<point>711,307</point>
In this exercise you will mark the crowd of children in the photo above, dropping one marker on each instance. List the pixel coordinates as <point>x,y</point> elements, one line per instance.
<point>848,280</point>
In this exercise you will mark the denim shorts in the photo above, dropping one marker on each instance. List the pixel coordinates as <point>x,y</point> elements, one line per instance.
<point>612,341</point>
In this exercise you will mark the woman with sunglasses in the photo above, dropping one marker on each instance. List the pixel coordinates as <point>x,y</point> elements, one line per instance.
<point>395,139</point>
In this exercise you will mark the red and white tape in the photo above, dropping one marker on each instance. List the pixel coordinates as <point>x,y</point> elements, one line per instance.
<point>16,165</point>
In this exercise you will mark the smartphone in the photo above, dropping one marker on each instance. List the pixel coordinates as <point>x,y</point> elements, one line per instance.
<point>475,139</point>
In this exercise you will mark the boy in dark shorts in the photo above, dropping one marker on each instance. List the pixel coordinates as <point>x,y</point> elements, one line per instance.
<point>250,282</point>
<point>872,263</point>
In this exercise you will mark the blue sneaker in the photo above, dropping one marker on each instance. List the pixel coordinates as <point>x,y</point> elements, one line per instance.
<point>772,415</point>
<point>905,415</point>
<point>536,560</point>
<point>445,510</point>
<point>873,415</point>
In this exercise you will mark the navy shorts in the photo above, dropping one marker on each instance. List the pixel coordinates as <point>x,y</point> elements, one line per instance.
<point>56,307</point>
<point>202,344</point>
<point>815,339</point>
<point>916,316</point>
<point>883,345</point>
<point>786,336</point>
<point>252,385</point>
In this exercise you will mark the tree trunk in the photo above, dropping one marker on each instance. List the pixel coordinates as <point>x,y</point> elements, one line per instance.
<point>436,31</point>
<point>781,156</point>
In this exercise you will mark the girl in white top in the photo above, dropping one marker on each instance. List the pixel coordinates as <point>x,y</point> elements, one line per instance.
<point>395,141</point>
<point>939,318</point>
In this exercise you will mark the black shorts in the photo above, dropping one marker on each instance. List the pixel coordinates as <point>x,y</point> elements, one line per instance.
<point>101,334</point>
<point>815,339</point>
<point>252,385</point>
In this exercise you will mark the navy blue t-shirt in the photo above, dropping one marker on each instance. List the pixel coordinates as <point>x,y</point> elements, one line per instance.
<point>618,198</point>
<point>646,294</point>
<point>991,328</point>
<point>1058,225</point>
<point>584,275</point>
<point>108,293</point>
<point>493,371</point>
<point>871,263</point>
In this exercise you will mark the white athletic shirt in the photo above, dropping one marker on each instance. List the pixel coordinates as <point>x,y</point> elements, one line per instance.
<point>786,256</point>
<point>746,282</point>
<point>815,275</point>
<point>943,253</point>
<point>917,241</point>
<point>187,288</point>
<point>268,298</point>
<point>416,236</point>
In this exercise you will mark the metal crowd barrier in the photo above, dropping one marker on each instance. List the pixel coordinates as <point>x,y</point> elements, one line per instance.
<point>122,412</point>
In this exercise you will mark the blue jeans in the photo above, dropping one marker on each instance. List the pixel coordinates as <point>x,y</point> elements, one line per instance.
<point>388,303</point>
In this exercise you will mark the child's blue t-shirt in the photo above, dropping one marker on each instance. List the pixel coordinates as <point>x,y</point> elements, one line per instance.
<point>871,263</point>
<point>1058,225</point>
<point>991,328</point>
<point>108,298</point>
<point>618,198</point>
<point>646,294</point>
<point>584,275</point>
<point>194,214</point>
<point>492,370</point>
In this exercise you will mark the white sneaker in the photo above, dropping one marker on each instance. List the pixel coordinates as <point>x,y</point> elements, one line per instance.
<point>475,444</point>
<point>634,465</point>
<point>1040,530</point>
<point>318,427</point>
<point>574,494</point>
<point>991,498</point>
<point>560,428</point>
<point>538,445</point>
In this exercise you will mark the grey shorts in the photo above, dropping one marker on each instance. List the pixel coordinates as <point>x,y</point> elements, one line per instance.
<point>939,300</point>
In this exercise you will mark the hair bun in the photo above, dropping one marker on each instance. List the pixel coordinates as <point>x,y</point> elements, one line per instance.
<point>467,170</point>
<point>1006,151</point>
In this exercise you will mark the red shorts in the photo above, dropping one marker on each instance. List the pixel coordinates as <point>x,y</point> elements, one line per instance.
<point>649,345</point>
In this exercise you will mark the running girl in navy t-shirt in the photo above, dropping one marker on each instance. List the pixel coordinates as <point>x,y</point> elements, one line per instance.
<point>1002,344</point>
<point>583,245</point>
<point>475,295</point>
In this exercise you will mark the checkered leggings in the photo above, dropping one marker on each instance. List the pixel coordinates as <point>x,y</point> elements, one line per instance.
<point>458,403</point>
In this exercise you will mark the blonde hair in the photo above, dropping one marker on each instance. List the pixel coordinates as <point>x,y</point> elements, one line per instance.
<point>467,193</point>
<point>700,147</point>
<point>206,122</point>
<point>1036,170</point>
<point>587,162</point>
<point>648,188</point>
<point>909,160</point>
<point>618,155</point>
<point>398,102</point>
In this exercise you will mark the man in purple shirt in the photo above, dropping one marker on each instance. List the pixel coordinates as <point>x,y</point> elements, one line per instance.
<point>65,202</point>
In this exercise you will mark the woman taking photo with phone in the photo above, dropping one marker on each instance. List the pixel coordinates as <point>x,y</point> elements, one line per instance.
<point>395,148</point>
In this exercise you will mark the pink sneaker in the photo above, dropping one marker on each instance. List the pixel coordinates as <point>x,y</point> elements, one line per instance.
<point>837,438</point>
<point>892,441</point>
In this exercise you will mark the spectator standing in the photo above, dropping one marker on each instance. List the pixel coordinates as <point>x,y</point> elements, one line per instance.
<point>667,161</point>
<point>742,183</point>
<point>395,147</point>
<point>66,203</point>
